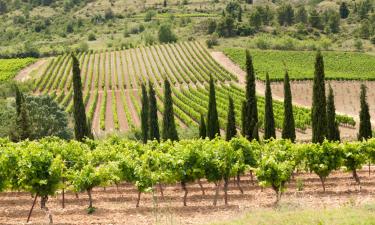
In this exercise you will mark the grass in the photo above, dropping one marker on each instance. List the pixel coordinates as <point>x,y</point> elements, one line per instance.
<point>9,68</point>
<point>300,64</point>
<point>364,214</point>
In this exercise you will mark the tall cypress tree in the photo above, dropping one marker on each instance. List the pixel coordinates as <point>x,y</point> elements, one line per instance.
<point>289,130</point>
<point>318,114</point>
<point>144,115</point>
<point>213,127</point>
<point>202,128</point>
<point>251,100</point>
<point>244,130</point>
<point>153,115</point>
<point>231,121</point>
<point>22,129</point>
<point>169,125</point>
<point>333,133</point>
<point>364,117</point>
<point>81,129</point>
<point>269,119</point>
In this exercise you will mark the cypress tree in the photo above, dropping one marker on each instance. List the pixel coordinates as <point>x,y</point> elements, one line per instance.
<point>344,11</point>
<point>202,128</point>
<point>318,114</point>
<point>213,127</point>
<point>153,115</point>
<point>333,133</point>
<point>22,129</point>
<point>231,121</point>
<point>269,120</point>
<point>144,115</point>
<point>251,125</point>
<point>81,129</point>
<point>289,130</point>
<point>169,125</point>
<point>364,117</point>
<point>244,119</point>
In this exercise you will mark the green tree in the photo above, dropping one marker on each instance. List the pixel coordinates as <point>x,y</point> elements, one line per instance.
<point>364,117</point>
<point>255,19</point>
<point>289,130</point>
<point>213,127</point>
<point>333,133</point>
<point>301,15</point>
<point>144,114</point>
<point>80,121</point>
<point>153,115</point>
<point>344,11</point>
<point>202,128</point>
<point>285,15</point>
<point>314,19</point>
<point>269,119</point>
<point>169,125</point>
<point>22,127</point>
<point>244,118</point>
<point>231,130</point>
<point>251,127</point>
<point>334,22</point>
<point>165,34</point>
<point>318,114</point>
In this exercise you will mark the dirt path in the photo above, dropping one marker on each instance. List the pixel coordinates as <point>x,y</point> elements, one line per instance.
<point>117,206</point>
<point>123,123</point>
<point>27,72</point>
<point>109,123</point>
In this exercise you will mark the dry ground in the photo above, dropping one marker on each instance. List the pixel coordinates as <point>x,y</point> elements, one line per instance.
<point>117,206</point>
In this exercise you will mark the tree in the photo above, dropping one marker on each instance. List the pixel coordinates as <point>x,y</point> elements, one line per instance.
<point>153,115</point>
<point>144,114</point>
<point>318,114</point>
<point>80,121</point>
<point>344,11</point>
<point>244,119</point>
<point>301,15</point>
<point>169,125</point>
<point>213,127</point>
<point>47,118</point>
<point>334,22</point>
<point>315,20</point>
<point>3,7</point>
<point>333,133</point>
<point>364,117</point>
<point>255,19</point>
<point>202,128</point>
<point>285,15</point>
<point>166,34</point>
<point>22,128</point>
<point>165,3</point>
<point>231,121</point>
<point>226,26</point>
<point>251,127</point>
<point>289,130</point>
<point>269,119</point>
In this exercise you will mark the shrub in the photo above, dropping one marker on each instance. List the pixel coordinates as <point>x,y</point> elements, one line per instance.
<point>212,41</point>
<point>166,34</point>
<point>91,37</point>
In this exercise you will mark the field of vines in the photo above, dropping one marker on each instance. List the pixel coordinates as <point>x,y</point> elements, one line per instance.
<point>10,67</point>
<point>111,86</point>
<point>337,65</point>
<point>80,167</point>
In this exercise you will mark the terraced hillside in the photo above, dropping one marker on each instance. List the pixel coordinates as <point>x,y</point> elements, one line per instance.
<point>111,85</point>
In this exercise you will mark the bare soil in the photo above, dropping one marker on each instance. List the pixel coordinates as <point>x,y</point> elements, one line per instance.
<point>25,73</point>
<point>117,206</point>
<point>123,123</point>
<point>109,123</point>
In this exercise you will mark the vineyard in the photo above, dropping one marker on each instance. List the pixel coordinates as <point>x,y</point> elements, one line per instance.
<point>111,86</point>
<point>150,168</point>
<point>10,67</point>
<point>338,65</point>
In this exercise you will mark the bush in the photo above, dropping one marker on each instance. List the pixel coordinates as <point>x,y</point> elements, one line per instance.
<point>372,39</point>
<point>91,37</point>
<point>166,34</point>
<point>149,15</point>
<point>212,41</point>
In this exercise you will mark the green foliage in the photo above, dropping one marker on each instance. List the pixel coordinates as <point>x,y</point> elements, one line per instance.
<point>344,11</point>
<point>144,115</point>
<point>289,131</point>
<point>364,117</point>
<point>9,68</point>
<point>333,133</point>
<point>213,127</point>
<point>338,65</point>
<point>153,122</point>
<point>202,128</point>
<point>165,34</point>
<point>231,130</point>
<point>285,15</point>
<point>169,126</point>
<point>318,111</point>
<point>269,120</point>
